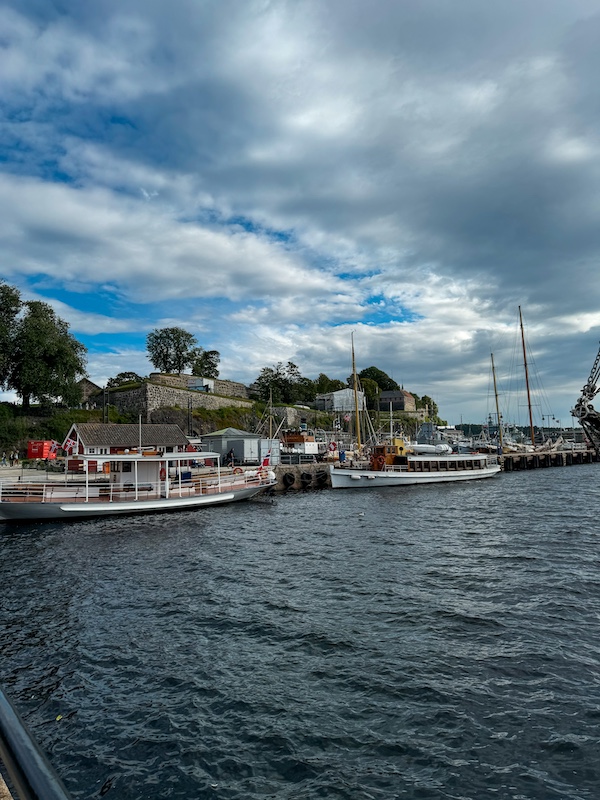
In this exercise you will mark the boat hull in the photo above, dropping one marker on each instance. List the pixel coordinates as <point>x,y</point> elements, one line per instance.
<point>44,511</point>
<point>354,478</point>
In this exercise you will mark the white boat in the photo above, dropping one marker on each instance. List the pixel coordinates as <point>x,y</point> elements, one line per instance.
<point>133,483</point>
<point>394,465</point>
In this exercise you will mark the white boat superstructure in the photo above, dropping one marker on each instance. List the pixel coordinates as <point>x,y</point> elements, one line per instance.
<point>393,465</point>
<point>139,482</point>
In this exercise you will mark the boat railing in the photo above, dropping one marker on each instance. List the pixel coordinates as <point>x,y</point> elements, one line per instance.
<point>104,491</point>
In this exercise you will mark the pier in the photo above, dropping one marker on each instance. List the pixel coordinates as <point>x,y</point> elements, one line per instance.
<point>512,462</point>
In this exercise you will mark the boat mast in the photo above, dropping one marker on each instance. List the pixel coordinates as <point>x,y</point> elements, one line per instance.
<point>526,378</point>
<point>355,378</point>
<point>497,405</point>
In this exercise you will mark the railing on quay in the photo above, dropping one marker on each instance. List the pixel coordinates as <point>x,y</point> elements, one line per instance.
<point>29,771</point>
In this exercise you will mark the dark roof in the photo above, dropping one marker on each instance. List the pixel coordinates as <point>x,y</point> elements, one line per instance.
<point>395,393</point>
<point>231,433</point>
<point>119,435</point>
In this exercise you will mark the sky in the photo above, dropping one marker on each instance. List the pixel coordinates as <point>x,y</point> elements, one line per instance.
<point>278,178</point>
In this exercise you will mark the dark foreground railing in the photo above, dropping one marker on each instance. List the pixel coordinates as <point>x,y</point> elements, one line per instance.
<point>28,769</point>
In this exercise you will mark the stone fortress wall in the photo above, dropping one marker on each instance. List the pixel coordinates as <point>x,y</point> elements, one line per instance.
<point>151,396</point>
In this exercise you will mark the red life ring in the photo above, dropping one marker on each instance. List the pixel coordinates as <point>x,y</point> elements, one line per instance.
<point>381,460</point>
<point>238,471</point>
<point>163,473</point>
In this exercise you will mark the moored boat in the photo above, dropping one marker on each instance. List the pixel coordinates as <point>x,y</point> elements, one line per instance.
<point>132,483</point>
<point>395,465</point>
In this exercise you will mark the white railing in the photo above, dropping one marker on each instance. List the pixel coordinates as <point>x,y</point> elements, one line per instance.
<point>103,491</point>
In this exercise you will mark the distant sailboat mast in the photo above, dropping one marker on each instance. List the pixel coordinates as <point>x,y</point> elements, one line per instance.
<point>498,417</point>
<point>527,378</point>
<point>356,414</point>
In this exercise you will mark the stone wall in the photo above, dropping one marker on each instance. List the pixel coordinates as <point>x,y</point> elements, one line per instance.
<point>227,388</point>
<point>151,396</point>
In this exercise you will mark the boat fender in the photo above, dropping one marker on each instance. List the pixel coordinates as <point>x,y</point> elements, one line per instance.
<point>238,471</point>
<point>321,476</point>
<point>288,479</point>
<point>163,473</point>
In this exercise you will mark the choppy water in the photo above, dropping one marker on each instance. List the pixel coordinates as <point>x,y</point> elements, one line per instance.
<point>433,642</point>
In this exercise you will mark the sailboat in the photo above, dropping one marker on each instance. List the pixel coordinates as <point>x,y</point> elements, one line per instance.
<point>395,463</point>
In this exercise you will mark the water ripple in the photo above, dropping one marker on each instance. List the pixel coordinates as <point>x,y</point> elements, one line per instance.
<point>439,642</point>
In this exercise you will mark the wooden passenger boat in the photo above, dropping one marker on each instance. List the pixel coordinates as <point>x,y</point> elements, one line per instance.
<point>394,465</point>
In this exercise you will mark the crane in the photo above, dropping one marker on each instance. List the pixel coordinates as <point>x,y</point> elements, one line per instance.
<point>585,412</point>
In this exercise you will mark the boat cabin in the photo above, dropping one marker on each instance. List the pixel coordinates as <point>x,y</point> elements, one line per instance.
<point>389,454</point>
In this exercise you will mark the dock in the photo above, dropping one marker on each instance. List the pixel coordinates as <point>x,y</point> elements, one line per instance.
<point>512,462</point>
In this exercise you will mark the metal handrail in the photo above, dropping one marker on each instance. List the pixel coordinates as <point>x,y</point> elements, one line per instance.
<point>28,769</point>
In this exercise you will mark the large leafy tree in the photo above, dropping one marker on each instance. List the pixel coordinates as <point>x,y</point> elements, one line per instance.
<point>46,360</point>
<point>324,385</point>
<point>371,390</point>
<point>171,349</point>
<point>205,363</point>
<point>10,306</point>
<point>282,383</point>
<point>385,383</point>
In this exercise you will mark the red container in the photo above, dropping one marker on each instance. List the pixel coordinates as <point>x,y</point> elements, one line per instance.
<point>40,449</point>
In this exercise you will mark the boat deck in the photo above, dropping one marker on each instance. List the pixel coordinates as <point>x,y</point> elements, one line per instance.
<point>96,492</point>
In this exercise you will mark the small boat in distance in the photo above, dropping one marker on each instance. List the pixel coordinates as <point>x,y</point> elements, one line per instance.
<point>138,482</point>
<point>394,464</point>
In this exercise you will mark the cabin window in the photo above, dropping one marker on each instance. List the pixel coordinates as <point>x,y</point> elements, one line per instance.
<point>126,467</point>
<point>91,450</point>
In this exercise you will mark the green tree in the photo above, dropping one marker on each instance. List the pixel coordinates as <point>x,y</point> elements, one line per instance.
<point>205,363</point>
<point>171,349</point>
<point>10,305</point>
<point>385,383</point>
<point>371,390</point>
<point>47,361</point>
<point>324,385</point>
<point>122,378</point>
<point>282,384</point>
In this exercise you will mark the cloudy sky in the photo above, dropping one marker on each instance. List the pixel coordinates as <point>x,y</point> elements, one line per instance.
<point>274,176</point>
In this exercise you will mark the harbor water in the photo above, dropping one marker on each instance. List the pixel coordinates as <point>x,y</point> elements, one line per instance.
<point>424,642</point>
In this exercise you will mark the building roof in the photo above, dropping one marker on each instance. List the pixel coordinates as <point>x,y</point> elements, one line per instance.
<point>96,434</point>
<point>231,433</point>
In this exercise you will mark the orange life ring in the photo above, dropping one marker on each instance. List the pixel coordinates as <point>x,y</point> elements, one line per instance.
<point>238,471</point>
<point>163,473</point>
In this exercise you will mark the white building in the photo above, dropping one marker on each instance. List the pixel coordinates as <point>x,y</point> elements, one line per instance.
<point>342,400</point>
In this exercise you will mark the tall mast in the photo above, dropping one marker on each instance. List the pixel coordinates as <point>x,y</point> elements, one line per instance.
<point>527,378</point>
<point>500,435</point>
<point>355,378</point>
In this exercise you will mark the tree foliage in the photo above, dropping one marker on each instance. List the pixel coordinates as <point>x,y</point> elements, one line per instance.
<point>46,361</point>
<point>283,384</point>
<point>122,378</point>
<point>10,305</point>
<point>171,349</point>
<point>371,390</point>
<point>385,383</point>
<point>324,385</point>
<point>205,363</point>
